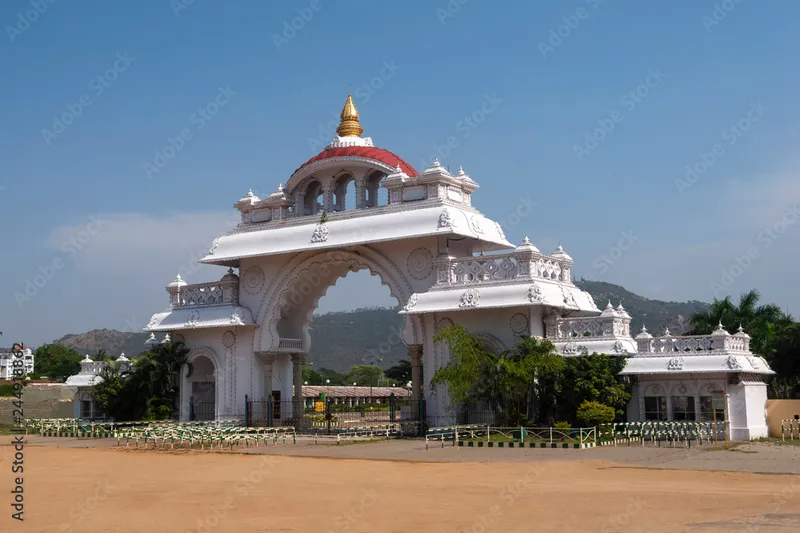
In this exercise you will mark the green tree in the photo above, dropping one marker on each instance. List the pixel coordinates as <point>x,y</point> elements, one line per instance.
<point>400,373</point>
<point>56,361</point>
<point>593,378</point>
<point>774,335</point>
<point>594,413</point>
<point>103,356</point>
<point>508,382</point>
<point>149,391</point>
<point>764,323</point>
<point>365,375</point>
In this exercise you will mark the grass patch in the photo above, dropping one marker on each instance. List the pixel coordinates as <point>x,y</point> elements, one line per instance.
<point>6,429</point>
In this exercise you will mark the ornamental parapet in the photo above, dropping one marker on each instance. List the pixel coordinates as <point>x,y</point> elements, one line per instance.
<point>215,293</point>
<point>521,264</point>
<point>601,327</point>
<point>720,342</point>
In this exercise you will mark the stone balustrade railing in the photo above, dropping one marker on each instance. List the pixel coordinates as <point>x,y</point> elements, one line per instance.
<point>205,294</point>
<point>560,329</point>
<point>715,344</point>
<point>520,264</point>
<point>290,344</point>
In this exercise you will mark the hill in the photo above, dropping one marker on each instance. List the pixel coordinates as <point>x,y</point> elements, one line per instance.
<point>654,314</point>
<point>112,341</point>
<point>343,339</point>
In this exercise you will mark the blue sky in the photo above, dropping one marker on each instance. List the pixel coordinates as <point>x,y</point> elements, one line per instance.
<point>130,76</point>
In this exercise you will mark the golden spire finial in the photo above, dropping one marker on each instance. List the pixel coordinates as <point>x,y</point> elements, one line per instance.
<point>349,124</point>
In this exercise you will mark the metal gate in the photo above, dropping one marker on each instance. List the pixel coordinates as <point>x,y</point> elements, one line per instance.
<point>201,409</point>
<point>313,414</point>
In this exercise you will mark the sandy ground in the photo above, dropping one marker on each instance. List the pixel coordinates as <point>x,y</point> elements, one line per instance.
<point>398,486</point>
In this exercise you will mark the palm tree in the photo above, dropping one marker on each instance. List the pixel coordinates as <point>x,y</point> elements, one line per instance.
<point>761,322</point>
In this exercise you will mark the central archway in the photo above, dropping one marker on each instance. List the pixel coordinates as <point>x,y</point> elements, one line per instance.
<point>287,308</point>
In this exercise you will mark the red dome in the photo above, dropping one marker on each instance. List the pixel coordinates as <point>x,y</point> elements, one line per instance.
<point>370,152</point>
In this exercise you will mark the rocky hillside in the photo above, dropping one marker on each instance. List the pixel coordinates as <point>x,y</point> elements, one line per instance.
<point>341,340</point>
<point>112,341</point>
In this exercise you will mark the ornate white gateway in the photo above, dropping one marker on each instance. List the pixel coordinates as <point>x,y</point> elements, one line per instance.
<point>417,231</point>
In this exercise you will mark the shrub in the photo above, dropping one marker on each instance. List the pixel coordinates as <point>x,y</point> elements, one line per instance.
<point>594,414</point>
<point>562,425</point>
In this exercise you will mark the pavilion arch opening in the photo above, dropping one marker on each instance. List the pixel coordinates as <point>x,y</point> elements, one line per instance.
<point>344,192</point>
<point>289,309</point>
<point>200,384</point>
<point>375,196</point>
<point>313,199</point>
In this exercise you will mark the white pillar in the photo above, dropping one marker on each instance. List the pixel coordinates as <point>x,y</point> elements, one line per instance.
<point>268,359</point>
<point>415,353</point>
<point>297,375</point>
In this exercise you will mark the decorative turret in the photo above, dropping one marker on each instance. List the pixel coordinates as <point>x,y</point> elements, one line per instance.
<point>720,332</point>
<point>177,282</point>
<point>247,200</point>
<point>349,126</point>
<point>609,310</point>
<point>621,311</point>
<point>561,254</point>
<point>123,363</point>
<point>644,334</point>
<point>527,245</point>
<point>174,290</point>
<point>230,287</point>
<point>230,276</point>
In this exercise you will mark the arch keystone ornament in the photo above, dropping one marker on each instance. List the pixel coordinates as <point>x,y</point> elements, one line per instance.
<point>320,234</point>
<point>470,298</point>
<point>214,245</point>
<point>446,219</point>
<point>676,363</point>
<point>412,301</point>
<point>535,295</point>
<point>733,363</point>
<point>193,318</point>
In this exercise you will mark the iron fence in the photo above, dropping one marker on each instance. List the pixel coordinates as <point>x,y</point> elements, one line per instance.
<point>313,415</point>
<point>201,410</point>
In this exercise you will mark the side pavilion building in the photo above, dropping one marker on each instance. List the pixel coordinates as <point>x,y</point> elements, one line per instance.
<point>419,232</point>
